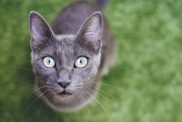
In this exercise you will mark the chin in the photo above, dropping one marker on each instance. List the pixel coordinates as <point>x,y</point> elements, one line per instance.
<point>69,102</point>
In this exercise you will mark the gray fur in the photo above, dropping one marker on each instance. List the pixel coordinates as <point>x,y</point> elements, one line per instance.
<point>101,3</point>
<point>76,31</point>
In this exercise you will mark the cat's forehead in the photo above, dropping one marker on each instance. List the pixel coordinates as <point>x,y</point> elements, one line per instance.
<point>65,40</point>
<point>68,37</point>
<point>69,44</point>
<point>65,43</point>
<point>64,46</point>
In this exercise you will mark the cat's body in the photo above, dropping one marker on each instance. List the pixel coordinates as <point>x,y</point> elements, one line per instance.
<point>78,36</point>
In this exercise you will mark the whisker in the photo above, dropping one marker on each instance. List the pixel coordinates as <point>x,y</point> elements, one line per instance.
<point>100,90</point>
<point>105,98</point>
<point>34,90</point>
<point>109,95</point>
<point>98,103</point>
<point>26,68</point>
<point>82,96</point>
<point>30,95</point>
<point>102,95</point>
<point>41,106</point>
<point>36,99</point>
<point>108,85</point>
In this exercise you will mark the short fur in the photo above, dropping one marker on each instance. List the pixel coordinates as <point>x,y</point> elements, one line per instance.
<point>78,30</point>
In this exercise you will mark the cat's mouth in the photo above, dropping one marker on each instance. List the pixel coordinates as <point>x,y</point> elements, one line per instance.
<point>64,93</point>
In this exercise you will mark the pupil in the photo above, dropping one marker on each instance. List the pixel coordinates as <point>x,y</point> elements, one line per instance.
<point>81,61</point>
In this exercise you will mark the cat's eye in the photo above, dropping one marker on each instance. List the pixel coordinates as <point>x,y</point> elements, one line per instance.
<point>48,62</point>
<point>81,62</point>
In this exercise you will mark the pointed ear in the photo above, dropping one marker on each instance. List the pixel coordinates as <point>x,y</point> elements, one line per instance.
<point>40,31</point>
<point>90,33</point>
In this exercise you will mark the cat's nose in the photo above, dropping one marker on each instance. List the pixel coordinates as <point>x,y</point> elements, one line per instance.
<point>64,84</point>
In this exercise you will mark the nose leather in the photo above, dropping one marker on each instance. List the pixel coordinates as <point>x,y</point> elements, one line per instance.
<point>64,79</point>
<point>63,84</point>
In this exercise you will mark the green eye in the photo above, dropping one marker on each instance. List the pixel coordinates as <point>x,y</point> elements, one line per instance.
<point>81,62</point>
<point>49,62</point>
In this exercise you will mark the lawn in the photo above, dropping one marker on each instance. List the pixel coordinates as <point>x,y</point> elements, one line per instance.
<point>145,85</point>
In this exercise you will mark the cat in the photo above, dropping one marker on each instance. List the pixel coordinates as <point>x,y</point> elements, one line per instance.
<point>70,56</point>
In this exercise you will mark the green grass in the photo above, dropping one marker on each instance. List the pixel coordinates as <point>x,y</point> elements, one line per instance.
<point>144,86</point>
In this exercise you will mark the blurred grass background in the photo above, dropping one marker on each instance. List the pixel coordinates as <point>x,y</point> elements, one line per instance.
<point>144,86</point>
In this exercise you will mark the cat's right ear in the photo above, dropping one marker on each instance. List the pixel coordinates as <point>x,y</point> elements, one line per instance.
<point>40,31</point>
<point>90,33</point>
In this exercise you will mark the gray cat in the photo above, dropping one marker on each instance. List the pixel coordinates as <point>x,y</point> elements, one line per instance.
<point>69,57</point>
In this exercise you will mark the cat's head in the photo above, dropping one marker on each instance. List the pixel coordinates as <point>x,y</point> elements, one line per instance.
<point>66,66</point>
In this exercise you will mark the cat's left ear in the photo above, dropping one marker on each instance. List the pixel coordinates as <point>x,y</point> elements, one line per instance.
<point>40,31</point>
<point>90,33</point>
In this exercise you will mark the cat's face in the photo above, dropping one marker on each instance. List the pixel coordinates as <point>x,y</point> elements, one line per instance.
<point>66,66</point>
